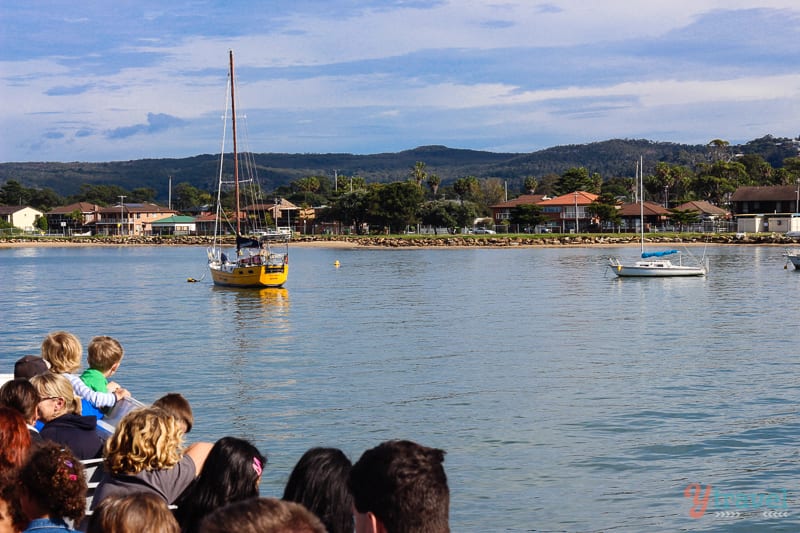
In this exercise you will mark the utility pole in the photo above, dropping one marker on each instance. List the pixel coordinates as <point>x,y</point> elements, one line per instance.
<point>121,211</point>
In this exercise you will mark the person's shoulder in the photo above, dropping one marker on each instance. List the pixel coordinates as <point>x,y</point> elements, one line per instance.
<point>47,525</point>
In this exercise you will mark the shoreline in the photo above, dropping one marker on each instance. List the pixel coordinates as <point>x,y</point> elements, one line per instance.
<point>424,241</point>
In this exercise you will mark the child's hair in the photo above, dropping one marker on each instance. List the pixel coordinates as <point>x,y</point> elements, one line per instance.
<point>142,512</point>
<point>20,394</point>
<point>63,351</point>
<point>178,406</point>
<point>104,352</point>
<point>231,473</point>
<point>57,386</point>
<point>54,479</point>
<point>145,439</point>
<point>15,437</point>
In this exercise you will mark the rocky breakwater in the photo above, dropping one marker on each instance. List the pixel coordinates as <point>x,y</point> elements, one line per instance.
<point>409,241</point>
<point>500,241</point>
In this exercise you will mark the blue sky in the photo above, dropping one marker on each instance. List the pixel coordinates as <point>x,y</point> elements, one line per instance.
<point>110,81</point>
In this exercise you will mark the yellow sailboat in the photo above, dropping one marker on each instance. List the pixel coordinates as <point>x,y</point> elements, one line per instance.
<point>261,258</point>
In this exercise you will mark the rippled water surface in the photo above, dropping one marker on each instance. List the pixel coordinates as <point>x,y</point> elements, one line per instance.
<point>567,399</point>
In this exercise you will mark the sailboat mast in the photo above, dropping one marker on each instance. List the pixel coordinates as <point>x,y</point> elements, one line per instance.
<point>641,199</point>
<point>235,152</point>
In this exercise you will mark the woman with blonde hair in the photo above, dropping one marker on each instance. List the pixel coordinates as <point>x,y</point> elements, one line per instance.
<point>60,410</point>
<point>146,454</point>
<point>134,513</point>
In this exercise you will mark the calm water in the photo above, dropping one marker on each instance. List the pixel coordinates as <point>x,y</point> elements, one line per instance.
<point>567,399</point>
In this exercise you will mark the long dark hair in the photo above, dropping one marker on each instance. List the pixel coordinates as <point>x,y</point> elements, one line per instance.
<point>319,482</point>
<point>230,474</point>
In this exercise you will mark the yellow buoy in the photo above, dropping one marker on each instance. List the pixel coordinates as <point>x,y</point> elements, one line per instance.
<point>336,263</point>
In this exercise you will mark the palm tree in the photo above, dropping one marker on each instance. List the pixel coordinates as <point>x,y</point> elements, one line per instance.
<point>433,182</point>
<point>530,184</point>
<point>418,173</point>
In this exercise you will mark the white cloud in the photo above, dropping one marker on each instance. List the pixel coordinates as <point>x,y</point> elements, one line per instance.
<point>386,65</point>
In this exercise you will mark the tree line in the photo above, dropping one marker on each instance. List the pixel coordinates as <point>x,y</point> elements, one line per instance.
<point>423,198</point>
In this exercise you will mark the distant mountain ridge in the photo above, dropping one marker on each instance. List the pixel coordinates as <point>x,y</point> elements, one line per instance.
<point>611,158</point>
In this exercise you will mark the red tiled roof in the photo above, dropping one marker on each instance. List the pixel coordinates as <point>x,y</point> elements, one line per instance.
<point>138,208</point>
<point>525,199</point>
<point>650,209</point>
<point>584,198</point>
<point>83,207</point>
<point>703,207</point>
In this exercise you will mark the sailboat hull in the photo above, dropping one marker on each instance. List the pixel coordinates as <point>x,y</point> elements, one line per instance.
<point>794,258</point>
<point>655,269</point>
<point>249,276</point>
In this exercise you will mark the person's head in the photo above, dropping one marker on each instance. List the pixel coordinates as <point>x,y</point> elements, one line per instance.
<point>319,482</point>
<point>401,485</point>
<point>12,519</point>
<point>20,394</point>
<point>52,483</point>
<point>145,439</point>
<point>29,366</point>
<point>63,351</point>
<point>141,512</point>
<point>178,406</point>
<point>104,354</point>
<point>15,439</point>
<point>56,396</point>
<point>262,515</point>
<point>231,473</point>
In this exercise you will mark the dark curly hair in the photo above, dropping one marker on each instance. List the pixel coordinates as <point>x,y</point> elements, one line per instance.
<point>53,477</point>
<point>9,494</point>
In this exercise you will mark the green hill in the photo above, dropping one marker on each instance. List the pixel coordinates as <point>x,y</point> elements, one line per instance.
<point>612,158</point>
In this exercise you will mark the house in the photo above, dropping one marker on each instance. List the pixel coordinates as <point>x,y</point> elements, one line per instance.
<point>567,213</point>
<point>20,216</point>
<point>283,212</point>
<point>772,208</point>
<point>631,214</point>
<point>130,219</point>
<point>73,218</point>
<point>174,225</point>
<point>502,211</point>
<point>706,210</point>
<point>769,199</point>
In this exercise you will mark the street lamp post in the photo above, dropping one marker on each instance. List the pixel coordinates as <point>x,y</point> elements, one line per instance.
<point>121,211</point>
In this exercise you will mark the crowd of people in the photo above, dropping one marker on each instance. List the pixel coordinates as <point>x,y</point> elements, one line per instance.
<point>153,481</point>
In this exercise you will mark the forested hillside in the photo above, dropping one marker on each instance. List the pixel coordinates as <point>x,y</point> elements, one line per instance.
<point>608,159</point>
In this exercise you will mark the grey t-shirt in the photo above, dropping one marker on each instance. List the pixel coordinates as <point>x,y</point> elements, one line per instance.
<point>168,484</point>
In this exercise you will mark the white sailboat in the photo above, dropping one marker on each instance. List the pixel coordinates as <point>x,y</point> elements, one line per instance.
<point>793,257</point>
<point>652,264</point>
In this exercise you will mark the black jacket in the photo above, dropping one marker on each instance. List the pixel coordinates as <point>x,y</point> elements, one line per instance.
<point>77,433</point>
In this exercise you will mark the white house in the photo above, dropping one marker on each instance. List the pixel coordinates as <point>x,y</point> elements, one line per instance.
<point>20,216</point>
